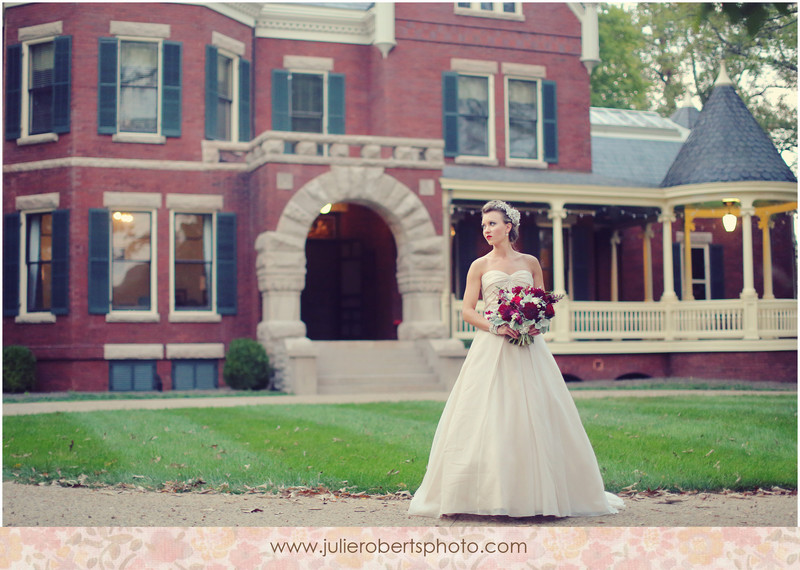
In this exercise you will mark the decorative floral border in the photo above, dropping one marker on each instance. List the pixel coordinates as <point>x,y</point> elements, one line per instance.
<point>218,548</point>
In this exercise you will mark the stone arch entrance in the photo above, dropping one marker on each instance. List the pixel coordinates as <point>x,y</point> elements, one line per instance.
<point>281,259</point>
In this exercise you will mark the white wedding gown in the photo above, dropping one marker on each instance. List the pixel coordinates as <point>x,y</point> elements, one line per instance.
<point>510,440</point>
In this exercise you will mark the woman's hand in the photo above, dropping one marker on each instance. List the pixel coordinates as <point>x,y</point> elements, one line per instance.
<point>505,330</point>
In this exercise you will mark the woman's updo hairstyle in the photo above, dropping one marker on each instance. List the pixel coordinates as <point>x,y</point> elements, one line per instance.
<point>510,216</point>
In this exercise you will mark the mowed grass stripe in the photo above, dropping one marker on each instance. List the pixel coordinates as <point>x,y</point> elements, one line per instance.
<point>383,447</point>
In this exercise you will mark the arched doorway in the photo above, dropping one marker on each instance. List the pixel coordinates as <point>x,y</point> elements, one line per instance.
<point>351,287</point>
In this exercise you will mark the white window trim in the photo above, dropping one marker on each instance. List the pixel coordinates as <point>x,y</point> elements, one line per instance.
<point>538,162</point>
<point>25,317</point>
<point>491,158</point>
<point>25,137</point>
<point>145,138</point>
<point>132,315</point>
<point>204,205</point>
<point>234,92</point>
<point>496,12</point>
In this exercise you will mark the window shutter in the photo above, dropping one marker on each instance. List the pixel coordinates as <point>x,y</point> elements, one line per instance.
<point>244,100</point>
<point>62,48</point>
<point>717,268</point>
<point>144,376</point>
<point>60,303</point>
<point>582,249</point>
<point>99,261</point>
<point>280,100</point>
<point>677,265</point>
<point>226,264</point>
<point>450,112</point>
<point>171,95</point>
<point>336,104</point>
<point>11,223</point>
<point>211,92</point>
<point>13,91</point>
<point>550,121</point>
<point>107,87</point>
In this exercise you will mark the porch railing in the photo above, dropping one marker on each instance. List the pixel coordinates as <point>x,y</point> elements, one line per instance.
<point>682,320</point>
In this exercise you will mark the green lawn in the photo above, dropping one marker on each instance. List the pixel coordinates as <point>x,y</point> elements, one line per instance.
<point>652,442</point>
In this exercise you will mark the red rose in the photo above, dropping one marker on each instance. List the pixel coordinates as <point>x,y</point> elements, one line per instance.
<point>530,311</point>
<point>506,312</point>
<point>549,311</point>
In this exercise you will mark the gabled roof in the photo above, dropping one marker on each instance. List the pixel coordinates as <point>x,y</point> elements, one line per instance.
<point>727,145</point>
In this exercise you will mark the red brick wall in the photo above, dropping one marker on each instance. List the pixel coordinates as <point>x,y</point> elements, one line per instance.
<point>745,366</point>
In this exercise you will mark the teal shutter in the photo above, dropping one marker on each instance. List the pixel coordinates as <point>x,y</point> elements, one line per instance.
<point>13,91</point>
<point>717,269</point>
<point>62,48</point>
<point>226,264</point>
<point>99,261</point>
<point>244,100</point>
<point>60,299</point>
<point>280,101</point>
<point>211,92</point>
<point>450,113</point>
<point>550,121</point>
<point>107,87</point>
<point>11,226</point>
<point>171,90</point>
<point>336,104</point>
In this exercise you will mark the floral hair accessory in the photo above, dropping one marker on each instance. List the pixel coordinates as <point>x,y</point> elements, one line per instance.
<point>512,213</point>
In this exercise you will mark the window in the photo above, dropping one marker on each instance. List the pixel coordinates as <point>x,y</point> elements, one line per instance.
<point>132,375</point>
<point>227,96</point>
<point>510,10</point>
<point>36,264</point>
<point>39,259</point>
<point>194,375</point>
<point>468,115</point>
<point>131,268</point>
<point>193,246</point>
<point>308,102</point>
<point>139,89</point>
<point>708,278</point>
<point>38,88</point>
<point>523,131</point>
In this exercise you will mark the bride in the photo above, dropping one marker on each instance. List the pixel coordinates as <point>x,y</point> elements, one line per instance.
<point>510,440</point>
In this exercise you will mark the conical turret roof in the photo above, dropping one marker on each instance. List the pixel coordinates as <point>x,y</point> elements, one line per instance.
<point>727,145</point>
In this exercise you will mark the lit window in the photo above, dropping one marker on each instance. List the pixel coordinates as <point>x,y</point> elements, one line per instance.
<point>39,257</point>
<point>131,260</point>
<point>194,241</point>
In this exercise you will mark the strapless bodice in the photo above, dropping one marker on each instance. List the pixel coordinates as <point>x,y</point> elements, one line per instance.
<point>494,280</point>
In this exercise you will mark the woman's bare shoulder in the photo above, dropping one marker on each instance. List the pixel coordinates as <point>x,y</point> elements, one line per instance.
<point>530,260</point>
<point>479,265</point>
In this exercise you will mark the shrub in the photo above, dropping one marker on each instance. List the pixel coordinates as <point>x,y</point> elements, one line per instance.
<point>246,365</point>
<point>19,369</point>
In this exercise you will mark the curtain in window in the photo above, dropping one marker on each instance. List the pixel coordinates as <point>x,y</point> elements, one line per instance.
<point>473,111</point>
<point>34,238</point>
<point>208,253</point>
<point>224,97</point>
<point>522,119</point>
<point>138,91</point>
<point>130,271</point>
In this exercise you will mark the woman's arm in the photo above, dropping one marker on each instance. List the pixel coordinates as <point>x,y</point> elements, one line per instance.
<point>471,294</point>
<point>536,271</point>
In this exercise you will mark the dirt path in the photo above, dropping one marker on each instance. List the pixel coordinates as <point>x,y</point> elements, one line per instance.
<point>30,506</point>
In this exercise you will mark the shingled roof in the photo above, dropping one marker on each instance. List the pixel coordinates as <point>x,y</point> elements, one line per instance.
<point>727,145</point>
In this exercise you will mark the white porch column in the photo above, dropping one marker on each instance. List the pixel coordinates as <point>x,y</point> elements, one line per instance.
<point>561,324</point>
<point>666,218</point>
<point>748,286</point>
<point>615,241</point>
<point>764,223</point>
<point>647,253</point>
<point>688,226</point>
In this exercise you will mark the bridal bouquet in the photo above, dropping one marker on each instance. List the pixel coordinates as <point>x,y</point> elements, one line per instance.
<point>524,308</point>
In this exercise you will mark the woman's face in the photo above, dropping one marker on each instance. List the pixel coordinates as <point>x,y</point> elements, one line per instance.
<point>494,229</point>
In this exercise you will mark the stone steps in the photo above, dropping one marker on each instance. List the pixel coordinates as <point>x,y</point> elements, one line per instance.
<point>352,367</point>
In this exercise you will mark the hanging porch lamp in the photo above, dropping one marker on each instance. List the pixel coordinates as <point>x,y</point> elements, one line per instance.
<point>729,219</point>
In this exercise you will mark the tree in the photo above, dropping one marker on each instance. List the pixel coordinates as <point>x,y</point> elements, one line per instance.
<point>686,43</point>
<point>619,80</point>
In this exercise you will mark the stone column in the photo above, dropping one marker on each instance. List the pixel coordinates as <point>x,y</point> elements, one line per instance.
<point>647,253</point>
<point>765,223</point>
<point>422,305</point>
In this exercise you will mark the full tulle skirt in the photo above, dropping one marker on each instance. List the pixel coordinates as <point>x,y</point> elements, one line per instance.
<point>510,441</point>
